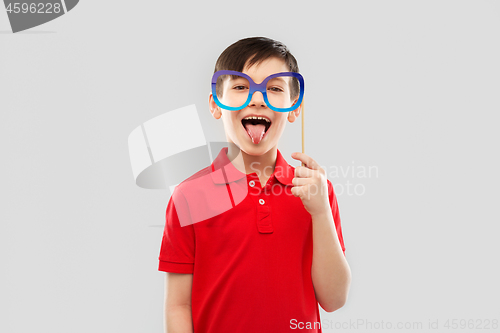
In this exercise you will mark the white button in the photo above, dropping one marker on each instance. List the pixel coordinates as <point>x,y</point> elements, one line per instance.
<point>252,183</point>
<point>261,201</point>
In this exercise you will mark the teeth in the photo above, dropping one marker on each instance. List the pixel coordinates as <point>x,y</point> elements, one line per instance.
<point>258,118</point>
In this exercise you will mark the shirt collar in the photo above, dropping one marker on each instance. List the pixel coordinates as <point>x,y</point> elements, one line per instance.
<point>283,172</point>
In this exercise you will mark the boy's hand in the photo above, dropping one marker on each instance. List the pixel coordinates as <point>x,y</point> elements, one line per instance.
<point>310,185</point>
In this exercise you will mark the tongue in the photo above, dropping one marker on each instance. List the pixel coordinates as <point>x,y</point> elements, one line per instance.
<point>256,132</point>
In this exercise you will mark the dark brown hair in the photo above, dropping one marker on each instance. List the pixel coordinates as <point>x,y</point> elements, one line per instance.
<point>255,50</point>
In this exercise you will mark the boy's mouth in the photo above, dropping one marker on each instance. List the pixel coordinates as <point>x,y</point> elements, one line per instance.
<point>256,127</point>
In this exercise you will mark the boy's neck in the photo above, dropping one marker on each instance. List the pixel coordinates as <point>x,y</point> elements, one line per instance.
<point>263,164</point>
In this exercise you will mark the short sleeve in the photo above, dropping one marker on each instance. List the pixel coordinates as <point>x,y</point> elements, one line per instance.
<point>178,242</point>
<point>336,214</point>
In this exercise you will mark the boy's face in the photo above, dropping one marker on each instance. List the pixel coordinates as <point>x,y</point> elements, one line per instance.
<point>235,130</point>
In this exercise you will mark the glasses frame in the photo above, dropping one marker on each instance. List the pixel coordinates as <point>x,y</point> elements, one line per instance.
<point>257,87</point>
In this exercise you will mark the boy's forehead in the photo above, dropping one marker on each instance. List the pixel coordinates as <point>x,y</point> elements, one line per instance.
<point>262,69</point>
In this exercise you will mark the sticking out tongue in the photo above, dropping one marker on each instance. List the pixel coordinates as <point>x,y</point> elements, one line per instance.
<point>256,132</point>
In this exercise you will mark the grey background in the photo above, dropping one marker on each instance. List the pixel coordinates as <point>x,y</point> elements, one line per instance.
<point>410,87</point>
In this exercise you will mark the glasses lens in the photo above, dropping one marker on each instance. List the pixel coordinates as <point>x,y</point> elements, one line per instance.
<point>283,91</point>
<point>232,90</point>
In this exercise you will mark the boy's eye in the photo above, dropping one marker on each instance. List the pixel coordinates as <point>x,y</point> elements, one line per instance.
<point>239,87</point>
<point>275,89</point>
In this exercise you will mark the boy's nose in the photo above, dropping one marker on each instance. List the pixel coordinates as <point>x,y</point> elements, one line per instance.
<point>257,100</point>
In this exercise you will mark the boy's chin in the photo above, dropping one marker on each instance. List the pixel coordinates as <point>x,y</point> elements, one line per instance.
<point>256,149</point>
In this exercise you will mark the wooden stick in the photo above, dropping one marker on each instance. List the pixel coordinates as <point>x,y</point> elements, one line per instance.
<point>302,111</point>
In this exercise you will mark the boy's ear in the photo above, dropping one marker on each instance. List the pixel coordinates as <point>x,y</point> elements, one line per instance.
<point>293,115</point>
<point>214,109</point>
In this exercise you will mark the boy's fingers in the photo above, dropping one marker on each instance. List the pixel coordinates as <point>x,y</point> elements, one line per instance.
<point>297,191</point>
<point>303,171</point>
<point>300,181</point>
<point>308,161</point>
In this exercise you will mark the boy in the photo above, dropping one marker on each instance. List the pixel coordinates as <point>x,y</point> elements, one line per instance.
<point>262,261</point>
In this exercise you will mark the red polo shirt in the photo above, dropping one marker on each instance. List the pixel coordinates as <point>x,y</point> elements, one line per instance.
<point>249,249</point>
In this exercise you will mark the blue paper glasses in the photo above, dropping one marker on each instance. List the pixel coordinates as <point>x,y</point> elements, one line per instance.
<point>233,90</point>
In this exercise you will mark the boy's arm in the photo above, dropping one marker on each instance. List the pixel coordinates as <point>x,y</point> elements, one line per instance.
<point>178,315</point>
<point>330,271</point>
